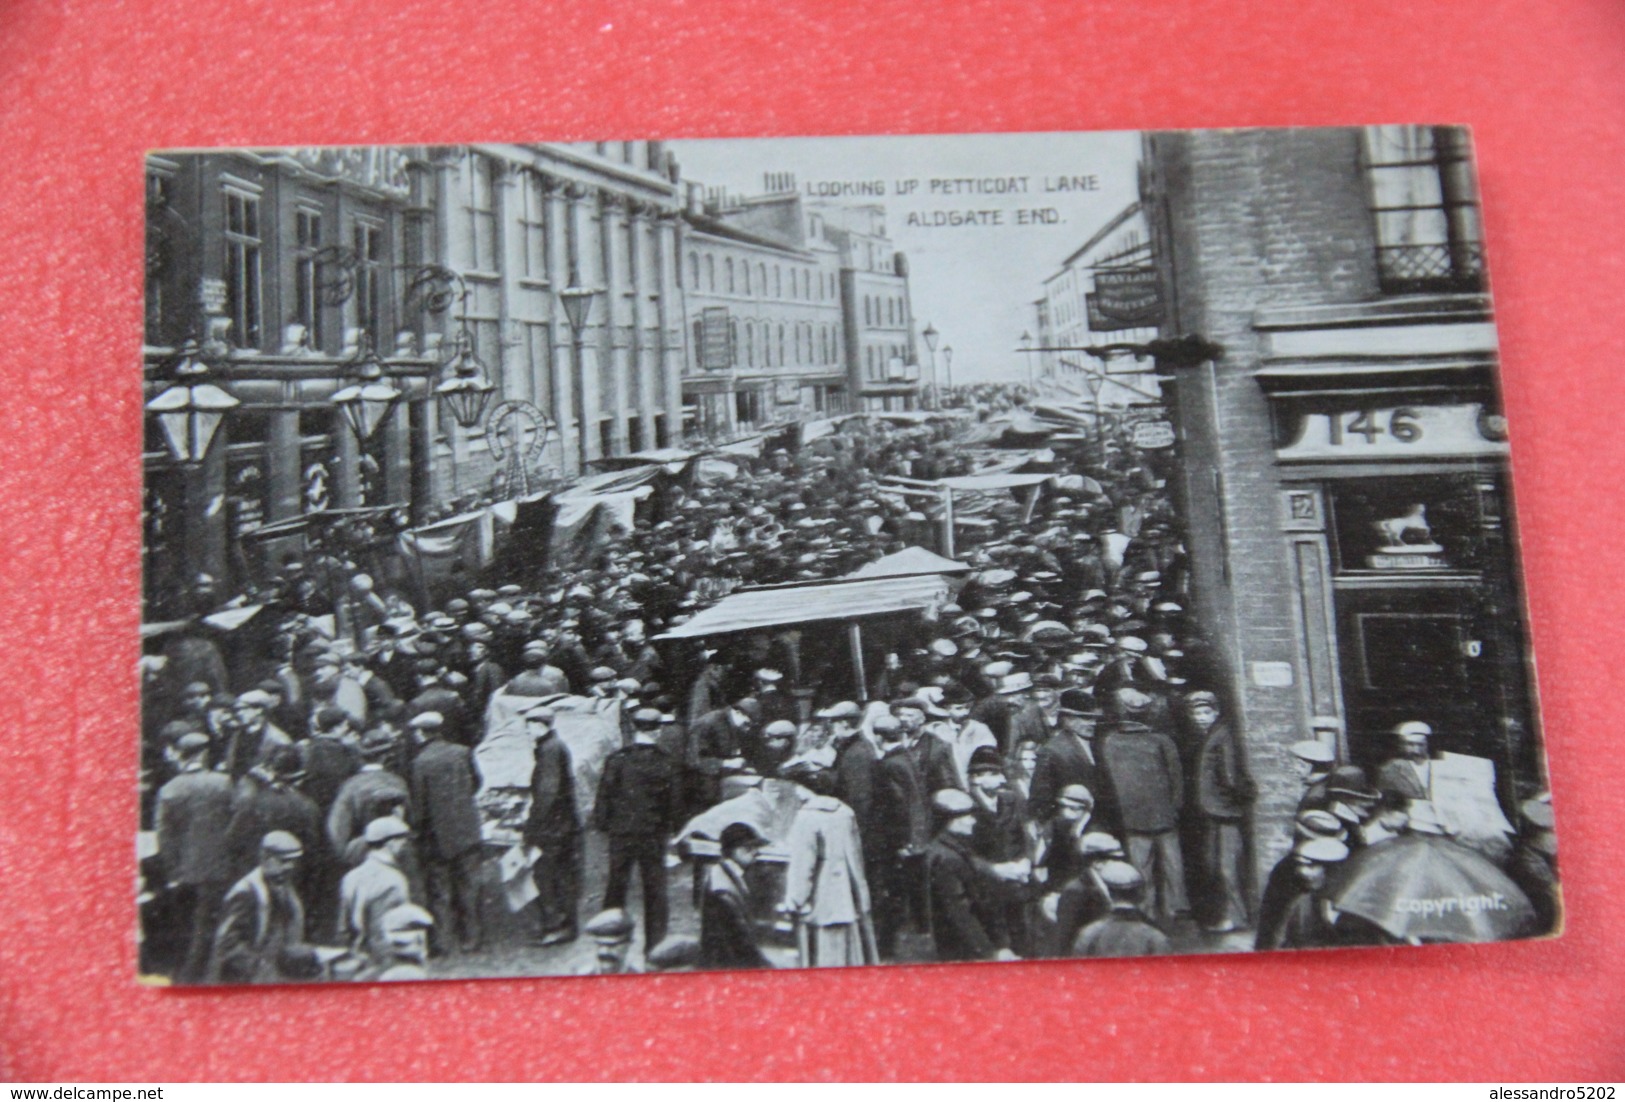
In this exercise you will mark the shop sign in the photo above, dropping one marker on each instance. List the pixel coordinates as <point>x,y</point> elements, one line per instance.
<point>716,349</point>
<point>317,491</point>
<point>246,496</point>
<point>1399,432</point>
<point>1130,298</point>
<point>212,295</point>
<point>1154,434</point>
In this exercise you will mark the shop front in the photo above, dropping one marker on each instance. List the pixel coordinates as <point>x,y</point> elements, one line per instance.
<point>1393,486</point>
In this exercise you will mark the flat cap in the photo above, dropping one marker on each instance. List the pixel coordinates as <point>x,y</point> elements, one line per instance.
<point>779,728</point>
<point>1324,850</point>
<point>952,803</point>
<point>985,759</point>
<point>885,723</point>
<point>1319,824</point>
<point>192,742</point>
<point>674,951</point>
<point>281,843</point>
<point>404,917</point>
<point>430,721</point>
<point>770,676</point>
<point>382,830</point>
<point>257,698</point>
<point>1097,843</point>
<point>646,717</point>
<point>1119,877</point>
<point>610,925</point>
<point>1313,750</point>
<point>1076,794</point>
<point>846,709</point>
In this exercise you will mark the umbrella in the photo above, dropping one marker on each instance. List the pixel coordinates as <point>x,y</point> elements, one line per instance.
<point>1426,887</point>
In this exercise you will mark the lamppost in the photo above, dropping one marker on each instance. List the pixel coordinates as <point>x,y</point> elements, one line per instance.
<point>191,410</point>
<point>465,389</point>
<point>578,302</point>
<point>930,338</point>
<point>948,364</point>
<point>369,400</point>
<point>1094,381</point>
<point>1027,348</point>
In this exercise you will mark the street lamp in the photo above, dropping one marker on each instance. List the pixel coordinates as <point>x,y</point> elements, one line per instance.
<point>1027,349</point>
<point>578,302</point>
<point>190,412</point>
<point>368,401</point>
<point>930,337</point>
<point>948,364</point>
<point>465,390</point>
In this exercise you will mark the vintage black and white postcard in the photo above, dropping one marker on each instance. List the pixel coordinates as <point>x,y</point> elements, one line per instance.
<point>644,556</point>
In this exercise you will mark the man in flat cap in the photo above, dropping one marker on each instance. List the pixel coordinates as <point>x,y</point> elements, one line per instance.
<point>715,748</point>
<point>261,935</point>
<point>374,792</point>
<point>967,921</point>
<point>1314,759</point>
<point>1000,839</point>
<point>856,764</point>
<point>1144,771</point>
<point>933,757</point>
<point>536,677</point>
<point>768,688</point>
<point>611,931</point>
<point>266,800</point>
<point>253,736</point>
<point>554,829</point>
<point>1410,774</point>
<point>194,814</point>
<point>406,931</point>
<point>639,806</point>
<point>443,786</point>
<point>1305,919</point>
<point>727,936</point>
<point>373,888</point>
<point>1125,931</point>
<point>434,695</point>
<point>1224,793</point>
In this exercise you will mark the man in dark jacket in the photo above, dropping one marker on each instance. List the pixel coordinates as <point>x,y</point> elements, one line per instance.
<point>1124,931</point>
<point>266,800</point>
<point>639,806</point>
<point>1224,793</point>
<point>727,939</point>
<point>554,828</point>
<point>442,787</point>
<point>933,757</point>
<point>967,922</point>
<point>434,696</point>
<point>1142,766</point>
<point>1072,757</point>
<point>194,812</point>
<point>261,936</point>
<point>715,748</point>
<point>900,831</point>
<point>855,766</point>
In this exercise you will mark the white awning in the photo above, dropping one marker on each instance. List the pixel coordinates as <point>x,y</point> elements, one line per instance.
<point>846,599</point>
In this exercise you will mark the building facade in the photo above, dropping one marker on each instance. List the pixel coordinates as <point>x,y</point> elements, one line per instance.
<point>1344,458</point>
<point>282,268</point>
<point>883,361</point>
<point>1106,292</point>
<point>514,227</point>
<point>763,302</point>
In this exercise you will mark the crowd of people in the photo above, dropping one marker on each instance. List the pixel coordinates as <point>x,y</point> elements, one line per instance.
<point>1041,766</point>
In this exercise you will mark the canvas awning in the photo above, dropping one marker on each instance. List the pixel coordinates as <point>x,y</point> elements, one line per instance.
<point>988,483</point>
<point>846,599</point>
<point>910,560</point>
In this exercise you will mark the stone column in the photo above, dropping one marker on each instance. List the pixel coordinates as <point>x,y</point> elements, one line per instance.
<point>644,381</point>
<point>508,204</point>
<point>613,231</point>
<point>582,254</point>
<point>673,325</point>
<point>561,396</point>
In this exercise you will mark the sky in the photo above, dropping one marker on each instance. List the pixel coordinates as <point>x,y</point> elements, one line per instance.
<point>974,283</point>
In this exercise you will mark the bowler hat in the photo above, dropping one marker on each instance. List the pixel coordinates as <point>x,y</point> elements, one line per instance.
<point>985,759</point>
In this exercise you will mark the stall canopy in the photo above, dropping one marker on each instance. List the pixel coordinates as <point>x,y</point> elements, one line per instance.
<point>846,599</point>
<point>672,459</point>
<point>910,560</point>
<point>990,483</point>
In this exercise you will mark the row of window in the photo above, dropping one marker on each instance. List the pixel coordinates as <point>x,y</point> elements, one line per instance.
<point>766,344</point>
<point>877,360</point>
<point>746,278</point>
<point>887,310</point>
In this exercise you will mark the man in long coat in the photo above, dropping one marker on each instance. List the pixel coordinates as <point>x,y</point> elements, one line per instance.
<point>371,890</point>
<point>1072,756</point>
<point>894,855</point>
<point>639,806</point>
<point>967,921</point>
<point>442,786</point>
<point>825,886</point>
<point>1224,792</point>
<point>554,828</point>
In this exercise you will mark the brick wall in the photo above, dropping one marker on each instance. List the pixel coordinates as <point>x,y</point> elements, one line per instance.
<point>1246,220</point>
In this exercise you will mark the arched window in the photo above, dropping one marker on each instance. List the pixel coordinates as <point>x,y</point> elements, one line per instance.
<point>710,272</point>
<point>868,311</point>
<point>728,269</point>
<point>778,282</point>
<point>798,341</point>
<point>781,344</point>
<point>745,269</point>
<point>761,277</point>
<point>750,340</point>
<point>694,270</point>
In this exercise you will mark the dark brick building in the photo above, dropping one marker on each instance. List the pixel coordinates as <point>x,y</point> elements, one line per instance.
<point>1344,458</point>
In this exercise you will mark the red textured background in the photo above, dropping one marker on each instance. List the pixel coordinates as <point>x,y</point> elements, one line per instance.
<point>88,87</point>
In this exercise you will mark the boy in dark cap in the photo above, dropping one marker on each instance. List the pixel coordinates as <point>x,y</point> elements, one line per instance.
<point>727,939</point>
<point>1125,931</point>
